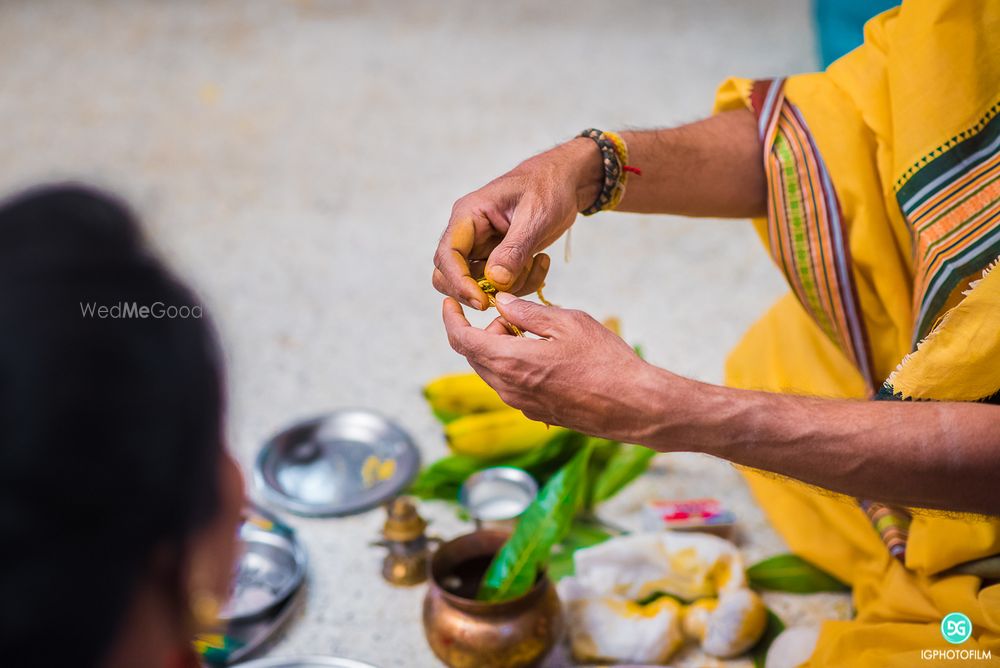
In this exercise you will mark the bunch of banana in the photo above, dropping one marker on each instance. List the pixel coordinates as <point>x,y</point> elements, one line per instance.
<point>477,421</point>
<point>459,394</point>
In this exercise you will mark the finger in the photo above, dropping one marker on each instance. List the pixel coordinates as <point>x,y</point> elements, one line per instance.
<point>465,339</point>
<point>498,326</point>
<point>451,260</point>
<point>477,268</point>
<point>442,285</point>
<point>511,256</point>
<point>528,316</point>
<point>534,278</point>
<point>519,280</point>
<point>514,399</point>
<point>491,378</point>
<point>439,281</point>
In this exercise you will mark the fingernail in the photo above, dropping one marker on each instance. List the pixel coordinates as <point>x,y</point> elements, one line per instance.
<point>501,274</point>
<point>505,297</point>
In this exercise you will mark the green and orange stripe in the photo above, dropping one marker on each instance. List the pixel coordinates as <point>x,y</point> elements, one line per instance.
<point>951,201</point>
<point>806,232</point>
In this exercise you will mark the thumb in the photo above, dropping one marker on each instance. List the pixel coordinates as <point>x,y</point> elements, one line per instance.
<point>526,315</point>
<point>513,254</point>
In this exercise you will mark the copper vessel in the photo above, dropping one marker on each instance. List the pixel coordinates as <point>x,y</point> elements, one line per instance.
<point>466,633</point>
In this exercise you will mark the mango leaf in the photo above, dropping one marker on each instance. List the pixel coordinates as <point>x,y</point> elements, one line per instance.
<point>445,416</point>
<point>791,573</point>
<point>546,521</point>
<point>627,464</point>
<point>443,478</point>
<point>771,631</point>
<point>581,534</point>
<point>603,451</point>
<point>542,463</point>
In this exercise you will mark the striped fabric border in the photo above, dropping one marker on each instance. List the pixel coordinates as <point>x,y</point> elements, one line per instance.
<point>892,524</point>
<point>808,240</point>
<point>952,204</point>
<point>806,232</point>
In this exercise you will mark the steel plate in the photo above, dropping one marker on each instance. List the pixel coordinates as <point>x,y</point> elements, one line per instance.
<point>272,566</point>
<point>339,464</point>
<point>306,662</point>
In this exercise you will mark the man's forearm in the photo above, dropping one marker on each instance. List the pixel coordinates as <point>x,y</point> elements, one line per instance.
<point>923,454</point>
<point>713,167</point>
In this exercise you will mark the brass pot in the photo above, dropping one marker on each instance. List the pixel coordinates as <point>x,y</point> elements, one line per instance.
<point>466,633</point>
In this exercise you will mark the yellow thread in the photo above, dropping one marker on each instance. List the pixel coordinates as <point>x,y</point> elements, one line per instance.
<point>620,146</point>
<point>487,286</point>
<point>619,190</point>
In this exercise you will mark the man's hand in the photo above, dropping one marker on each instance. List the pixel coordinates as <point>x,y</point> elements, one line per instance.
<point>499,230</point>
<point>581,375</point>
<point>708,168</point>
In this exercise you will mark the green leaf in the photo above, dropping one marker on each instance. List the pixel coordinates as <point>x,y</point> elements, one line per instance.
<point>627,464</point>
<point>545,522</point>
<point>581,534</point>
<point>791,573</point>
<point>561,564</point>
<point>603,451</point>
<point>771,631</point>
<point>443,478</point>
<point>445,416</point>
<point>544,461</point>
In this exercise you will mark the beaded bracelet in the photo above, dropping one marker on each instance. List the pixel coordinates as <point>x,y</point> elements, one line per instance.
<point>614,157</point>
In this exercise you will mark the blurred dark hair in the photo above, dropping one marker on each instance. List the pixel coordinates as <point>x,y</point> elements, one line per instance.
<point>110,429</point>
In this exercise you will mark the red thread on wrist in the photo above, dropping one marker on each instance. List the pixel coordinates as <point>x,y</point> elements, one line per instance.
<point>634,170</point>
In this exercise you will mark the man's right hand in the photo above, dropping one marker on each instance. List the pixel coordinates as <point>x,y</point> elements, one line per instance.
<point>499,230</point>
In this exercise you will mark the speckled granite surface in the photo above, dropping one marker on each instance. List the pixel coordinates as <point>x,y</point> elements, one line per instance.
<point>298,160</point>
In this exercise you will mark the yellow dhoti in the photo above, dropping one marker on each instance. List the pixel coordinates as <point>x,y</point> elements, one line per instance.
<point>883,209</point>
<point>899,610</point>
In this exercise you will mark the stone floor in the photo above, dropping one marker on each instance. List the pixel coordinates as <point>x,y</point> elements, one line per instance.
<point>298,160</point>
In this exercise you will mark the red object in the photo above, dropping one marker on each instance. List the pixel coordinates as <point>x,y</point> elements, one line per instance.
<point>672,511</point>
<point>185,657</point>
<point>634,170</point>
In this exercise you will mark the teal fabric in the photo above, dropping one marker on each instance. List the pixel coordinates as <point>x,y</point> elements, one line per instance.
<point>840,24</point>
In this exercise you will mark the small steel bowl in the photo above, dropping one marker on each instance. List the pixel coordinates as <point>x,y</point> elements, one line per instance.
<point>338,464</point>
<point>271,568</point>
<point>305,662</point>
<point>497,494</point>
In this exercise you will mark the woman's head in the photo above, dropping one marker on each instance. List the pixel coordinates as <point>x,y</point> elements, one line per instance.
<point>116,496</point>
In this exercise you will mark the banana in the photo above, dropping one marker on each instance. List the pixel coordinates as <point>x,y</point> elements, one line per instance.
<point>460,394</point>
<point>496,434</point>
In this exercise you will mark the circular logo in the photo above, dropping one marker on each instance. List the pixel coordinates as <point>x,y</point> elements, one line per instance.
<point>956,628</point>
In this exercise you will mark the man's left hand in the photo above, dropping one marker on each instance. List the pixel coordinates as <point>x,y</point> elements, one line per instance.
<point>579,374</point>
